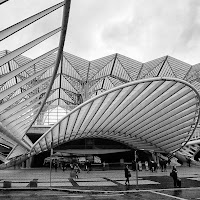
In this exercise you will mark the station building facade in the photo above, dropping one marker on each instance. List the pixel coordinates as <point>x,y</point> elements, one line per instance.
<point>79,84</point>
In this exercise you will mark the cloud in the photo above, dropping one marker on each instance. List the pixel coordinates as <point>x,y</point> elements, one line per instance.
<point>188,42</point>
<point>153,30</point>
<point>16,12</point>
<point>140,29</point>
<point>191,30</point>
<point>86,21</point>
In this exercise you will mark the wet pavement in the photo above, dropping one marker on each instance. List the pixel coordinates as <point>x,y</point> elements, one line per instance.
<point>98,184</point>
<point>181,194</point>
<point>112,180</point>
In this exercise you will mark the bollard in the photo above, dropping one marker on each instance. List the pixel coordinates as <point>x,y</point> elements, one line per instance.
<point>33,184</point>
<point>7,184</point>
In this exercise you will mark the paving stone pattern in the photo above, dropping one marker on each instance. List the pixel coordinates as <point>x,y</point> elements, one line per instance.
<point>98,180</point>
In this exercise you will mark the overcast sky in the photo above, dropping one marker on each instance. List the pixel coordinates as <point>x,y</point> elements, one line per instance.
<point>140,29</point>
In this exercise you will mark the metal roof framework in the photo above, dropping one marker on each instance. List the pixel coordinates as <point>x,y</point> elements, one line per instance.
<point>76,80</point>
<point>30,87</point>
<point>23,91</point>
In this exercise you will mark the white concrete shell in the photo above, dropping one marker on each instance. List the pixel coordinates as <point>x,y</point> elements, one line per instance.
<point>158,114</point>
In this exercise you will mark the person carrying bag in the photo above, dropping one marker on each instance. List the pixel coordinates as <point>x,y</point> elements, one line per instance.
<point>174,175</point>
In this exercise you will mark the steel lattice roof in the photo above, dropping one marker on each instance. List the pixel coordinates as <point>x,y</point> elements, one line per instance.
<point>73,74</point>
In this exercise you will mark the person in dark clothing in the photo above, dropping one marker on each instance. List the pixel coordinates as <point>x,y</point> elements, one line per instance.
<point>162,165</point>
<point>88,166</point>
<point>63,165</point>
<point>133,165</point>
<point>189,162</point>
<point>127,175</point>
<point>55,165</point>
<point>165,166</point>
<point>153,166</point>
<point>174,175</point>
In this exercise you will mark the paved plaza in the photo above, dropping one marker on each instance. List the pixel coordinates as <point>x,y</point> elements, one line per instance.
<point>111,180</point>
<point>98,185</point>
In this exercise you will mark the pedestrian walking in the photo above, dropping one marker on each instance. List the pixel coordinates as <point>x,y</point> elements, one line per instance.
<point>152,166</point>
<point>72,172</point>
<point>155,166</point>
<point>88,166</point>
<point>63,165</point>
<point>77,169</point>
<point>104,165</point>
<point>140,165</point>
<point>165,166</point>
<point>55,165</point>
<point>174,175</point>
<point>189,161</point>
<point>71,166</point>
<point>133,163</point>
<point>127,175</point>
<point>161,165</point>
<point>146,165</point>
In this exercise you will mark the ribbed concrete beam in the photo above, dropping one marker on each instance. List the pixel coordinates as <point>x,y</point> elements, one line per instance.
<point>20,25</point>
<point>26,47</point>
<point>13,73</point>
<point>165,109</point>
<point>2,1</point>
<point>10,135</point>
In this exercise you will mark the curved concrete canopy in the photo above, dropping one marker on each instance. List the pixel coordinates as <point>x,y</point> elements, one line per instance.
<point>158,114</point>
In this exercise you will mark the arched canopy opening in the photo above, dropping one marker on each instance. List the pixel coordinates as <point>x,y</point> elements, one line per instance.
<point>157,114</point>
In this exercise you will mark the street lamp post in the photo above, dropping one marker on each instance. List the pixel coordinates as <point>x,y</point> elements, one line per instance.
<point>136,169</point>
<point>51,153</point>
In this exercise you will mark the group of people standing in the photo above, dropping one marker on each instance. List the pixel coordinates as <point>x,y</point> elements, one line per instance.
<point>74,166</point>
<point>151,165</point>
<point>75,169</point>
<point>163,165</point>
